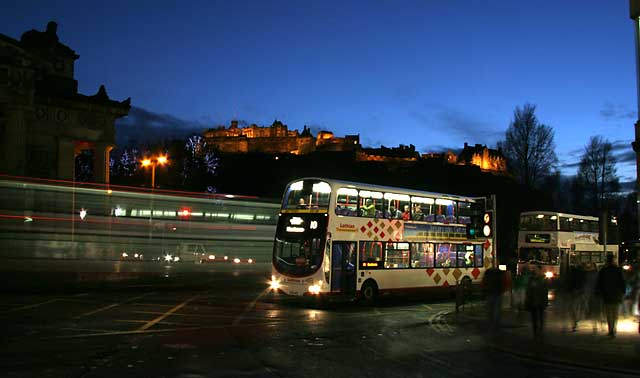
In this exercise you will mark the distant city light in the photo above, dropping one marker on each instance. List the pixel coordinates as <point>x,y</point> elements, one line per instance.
<point>236,260</point>
<point>83,213</point>
<point>168,258</point>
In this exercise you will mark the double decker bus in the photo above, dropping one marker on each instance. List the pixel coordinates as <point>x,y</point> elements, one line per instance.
<point>360,240</point>
<point>556,241</point>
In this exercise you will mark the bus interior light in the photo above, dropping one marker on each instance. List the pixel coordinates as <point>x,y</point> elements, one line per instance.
<point>322,187</point>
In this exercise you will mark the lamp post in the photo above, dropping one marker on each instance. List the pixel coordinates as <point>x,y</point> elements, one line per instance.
<point>153,162</point>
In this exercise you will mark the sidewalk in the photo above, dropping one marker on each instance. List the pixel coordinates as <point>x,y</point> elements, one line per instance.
<point>587,347</point>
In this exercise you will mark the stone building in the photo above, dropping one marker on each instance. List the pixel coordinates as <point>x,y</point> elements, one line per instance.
<point>44,122</point>
<point>400,154</point>
<point>275,139</point>
<point>487,159</point>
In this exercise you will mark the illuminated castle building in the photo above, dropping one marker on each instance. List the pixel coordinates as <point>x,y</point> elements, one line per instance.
<point>485,158</point>
<point>276,139</point>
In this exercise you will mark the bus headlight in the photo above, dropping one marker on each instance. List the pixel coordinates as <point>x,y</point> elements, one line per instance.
<point>314,289</point>
<point>274,284</point>
<point>548,274</point>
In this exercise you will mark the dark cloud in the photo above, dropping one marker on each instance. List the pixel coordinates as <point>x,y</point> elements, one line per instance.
<point>142,127</point>
<point>612,111</point>
<point>452,121</point>
<point>441,149</point>
<point>569,165</point>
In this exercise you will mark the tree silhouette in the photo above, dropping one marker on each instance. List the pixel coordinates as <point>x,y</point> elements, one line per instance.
<point>529,147</point>
<point>597,172</point>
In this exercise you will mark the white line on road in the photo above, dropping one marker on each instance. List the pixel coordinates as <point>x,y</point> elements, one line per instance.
<point>249,307</point>
<point>110,306</point>
<point>153,322</point>
<point>27,307</point>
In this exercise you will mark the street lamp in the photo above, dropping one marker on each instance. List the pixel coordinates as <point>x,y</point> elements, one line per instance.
<point>161,160</point>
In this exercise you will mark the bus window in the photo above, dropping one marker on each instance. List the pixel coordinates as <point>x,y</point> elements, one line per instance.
<point>478,255</point>
<point>309,194</point>
<point>347,202</point>
<point>445,211</point>
<point>371,255</point>
<point>566,224</point>
<point>464,212</point>
<point>421,255</point>
<point>422,207</point>
<point>538,222</point>
<point>446,256</point>
<point>396,255</point>
<point>395,205</point>
<point>465,256</point>
<point>371,204</point>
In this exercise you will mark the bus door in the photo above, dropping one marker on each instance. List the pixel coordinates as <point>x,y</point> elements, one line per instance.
<point>343,268</point>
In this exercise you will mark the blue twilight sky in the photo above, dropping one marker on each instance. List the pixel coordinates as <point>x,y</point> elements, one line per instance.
<point>434,74</point>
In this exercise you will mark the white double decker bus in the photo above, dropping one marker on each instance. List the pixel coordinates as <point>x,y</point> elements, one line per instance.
<point>556,241</point>
<point>361,240</point>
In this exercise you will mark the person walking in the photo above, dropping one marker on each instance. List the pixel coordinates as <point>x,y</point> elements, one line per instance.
<point>611,287</point>
<point>493,285</point>
<point>536,301</point>
<point>576,295</point>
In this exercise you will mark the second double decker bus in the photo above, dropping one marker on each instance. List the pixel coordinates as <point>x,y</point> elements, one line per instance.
<point>362,240</point>
<point>555,241</point>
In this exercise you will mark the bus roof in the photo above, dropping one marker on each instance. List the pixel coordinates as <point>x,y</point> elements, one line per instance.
<point>383,188</point>
<point>551,213</point>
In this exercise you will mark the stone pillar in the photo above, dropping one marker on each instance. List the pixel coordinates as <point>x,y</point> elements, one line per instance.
<point>101,154</point>
<point>66,159</point>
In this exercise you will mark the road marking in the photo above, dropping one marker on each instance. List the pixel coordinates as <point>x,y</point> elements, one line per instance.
<point>164,330</point>
<point>144,321</point>
<point>110,306</point>
<point>27,307</point>
<point>153,322</point>
<point>152,304</point>
<point>248,307</point>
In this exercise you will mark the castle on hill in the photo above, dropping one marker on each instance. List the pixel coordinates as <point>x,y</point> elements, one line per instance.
<point>278,139</point>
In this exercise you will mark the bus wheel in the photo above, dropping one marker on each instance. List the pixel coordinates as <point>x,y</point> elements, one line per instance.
<point>369,292</point>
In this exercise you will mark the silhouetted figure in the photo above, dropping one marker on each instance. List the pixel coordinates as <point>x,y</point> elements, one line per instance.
<point>493,285</point>
<point>611,287</point>
<point>576,294</point>
<point>520,288</point>
<point>536,301</point>
<point>593,309</point>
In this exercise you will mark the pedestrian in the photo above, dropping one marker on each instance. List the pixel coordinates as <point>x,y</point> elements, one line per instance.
<point>493,286</point>
<point>536,301</point>
<point>593,305</point>
<point>610,286</point>
<point>520,287</point>
<point>576,298</point>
